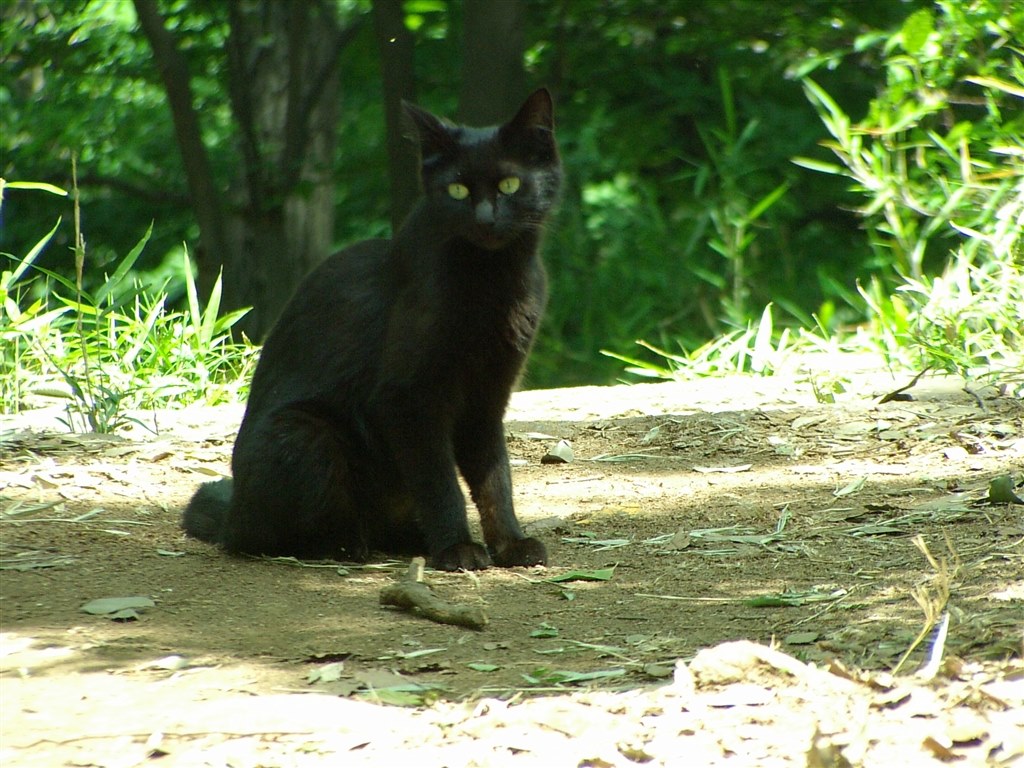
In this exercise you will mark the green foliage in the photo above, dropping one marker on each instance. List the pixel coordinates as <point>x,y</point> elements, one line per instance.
<point>77,79</point>
<point>731,211</point>
<point>932,150</point>
<point>755,349</point>
<point>969,320</point>
<point>940,159</point>
<point>665,157</point>
<point>683,215</point>
<point>114,349</point>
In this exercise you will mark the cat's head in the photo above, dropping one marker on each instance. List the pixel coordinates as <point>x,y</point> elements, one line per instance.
<point>490,185</point>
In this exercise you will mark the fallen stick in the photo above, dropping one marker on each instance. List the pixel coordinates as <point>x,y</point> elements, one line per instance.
<point>412,594</point>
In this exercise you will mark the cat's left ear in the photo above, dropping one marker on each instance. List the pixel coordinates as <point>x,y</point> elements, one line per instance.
<point>433,134</point>
<point>538,111</point>
<point>534,123</point>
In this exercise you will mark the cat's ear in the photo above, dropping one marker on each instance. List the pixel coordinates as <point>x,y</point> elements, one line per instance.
<point>431,133</point>
<point>532,130</point>
<point>538,111</point>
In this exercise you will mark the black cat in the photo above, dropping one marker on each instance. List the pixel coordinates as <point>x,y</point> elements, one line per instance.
<point>393,364</point>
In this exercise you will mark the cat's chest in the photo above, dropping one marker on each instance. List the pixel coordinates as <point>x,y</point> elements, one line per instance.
<point>487,326</point>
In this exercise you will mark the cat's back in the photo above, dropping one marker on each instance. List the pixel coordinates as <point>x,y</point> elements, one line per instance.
<point>343,288</point>
<point>329,331</point>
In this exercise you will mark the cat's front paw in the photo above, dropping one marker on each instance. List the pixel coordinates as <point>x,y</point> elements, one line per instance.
<point>465,556</point>
<point>528,551</point>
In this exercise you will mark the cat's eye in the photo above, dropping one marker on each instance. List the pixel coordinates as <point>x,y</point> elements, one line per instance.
<point>458,191</point>
<point>509,185</point>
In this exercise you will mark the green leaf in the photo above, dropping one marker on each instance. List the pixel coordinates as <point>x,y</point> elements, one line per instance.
<point>601,574</point>
<point>12,277</point>
<point>482,667</point>
<point>837,121</point>
<point>1000,491</point>
<point>394,696</point>
<point>999,85</point>
<point>772,601</point>
<point>916,30</point>
<point>544,676</point>
<point>210,315</point>
<point>767,202</point>
<point>545,630</point>
<point>195,314</point>
<point>123,268</point>
<point>40,185</point>
<point>763,349</point>
<point>424,6</point>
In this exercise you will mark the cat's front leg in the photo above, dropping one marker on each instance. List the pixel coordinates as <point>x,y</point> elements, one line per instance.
<point>441,512</point>
<point>483,459</point>
<point>425,461</point>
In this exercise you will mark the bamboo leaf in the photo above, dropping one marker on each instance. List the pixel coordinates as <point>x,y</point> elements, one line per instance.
<point>26,262</point>
<point>123,268</point>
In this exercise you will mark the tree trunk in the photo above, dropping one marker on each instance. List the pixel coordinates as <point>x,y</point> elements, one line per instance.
<point>277,222</point>
<point>395,47</point>
<point>283,80</point>
<point>493,77</point>
<point>203,192</point>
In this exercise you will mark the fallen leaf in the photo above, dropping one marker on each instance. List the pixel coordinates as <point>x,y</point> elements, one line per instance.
<point>559,453</point>
<point>851,487</point>
<point>658,670</point>
<point>1000,491</point>
<point>557,676</point>
<point>651,436</point>
<point>808,421</point>
<point>113,605</point>
<point>725,470</point>
<point>940,751</point>
<point>800,638</point>
<point>328,673</point>
<point>170,663</point>
<point>601,574</point>
<point>545,630</point>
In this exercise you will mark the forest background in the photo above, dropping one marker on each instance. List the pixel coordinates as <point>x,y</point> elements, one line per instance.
<point>737,170</point>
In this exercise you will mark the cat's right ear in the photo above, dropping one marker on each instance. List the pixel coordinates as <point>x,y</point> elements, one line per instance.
<point>431,133</point>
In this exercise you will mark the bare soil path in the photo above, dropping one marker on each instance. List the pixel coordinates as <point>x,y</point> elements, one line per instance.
<point>736,569</point>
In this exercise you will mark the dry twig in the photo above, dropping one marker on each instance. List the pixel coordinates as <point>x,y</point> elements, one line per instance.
<point>412,594</point>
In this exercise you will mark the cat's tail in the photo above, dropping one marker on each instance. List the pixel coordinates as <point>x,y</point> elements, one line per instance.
<point>205,515</point>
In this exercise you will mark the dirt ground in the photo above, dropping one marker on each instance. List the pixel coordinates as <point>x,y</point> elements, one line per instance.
<point>737,573</point>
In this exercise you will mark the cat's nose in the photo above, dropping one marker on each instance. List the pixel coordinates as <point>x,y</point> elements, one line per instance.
<point>484,212</point>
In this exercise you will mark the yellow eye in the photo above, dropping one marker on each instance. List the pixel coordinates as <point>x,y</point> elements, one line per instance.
<point>509,186</point>
<point>458,191</point>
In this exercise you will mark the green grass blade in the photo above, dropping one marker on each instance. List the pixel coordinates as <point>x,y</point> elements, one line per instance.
<point>767,202</point>
<point>210,315</point>
<point>194,313</point>
<point>26,262</point>
<point>39,185</point>
<point>817,165</point>
<point>761,356</point>
<point>123,268</point>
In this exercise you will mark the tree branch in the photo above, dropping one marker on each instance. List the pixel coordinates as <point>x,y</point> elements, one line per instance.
<point>411,594</point>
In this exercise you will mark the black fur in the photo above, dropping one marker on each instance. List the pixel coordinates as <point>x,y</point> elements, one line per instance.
<point>392,366</point>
